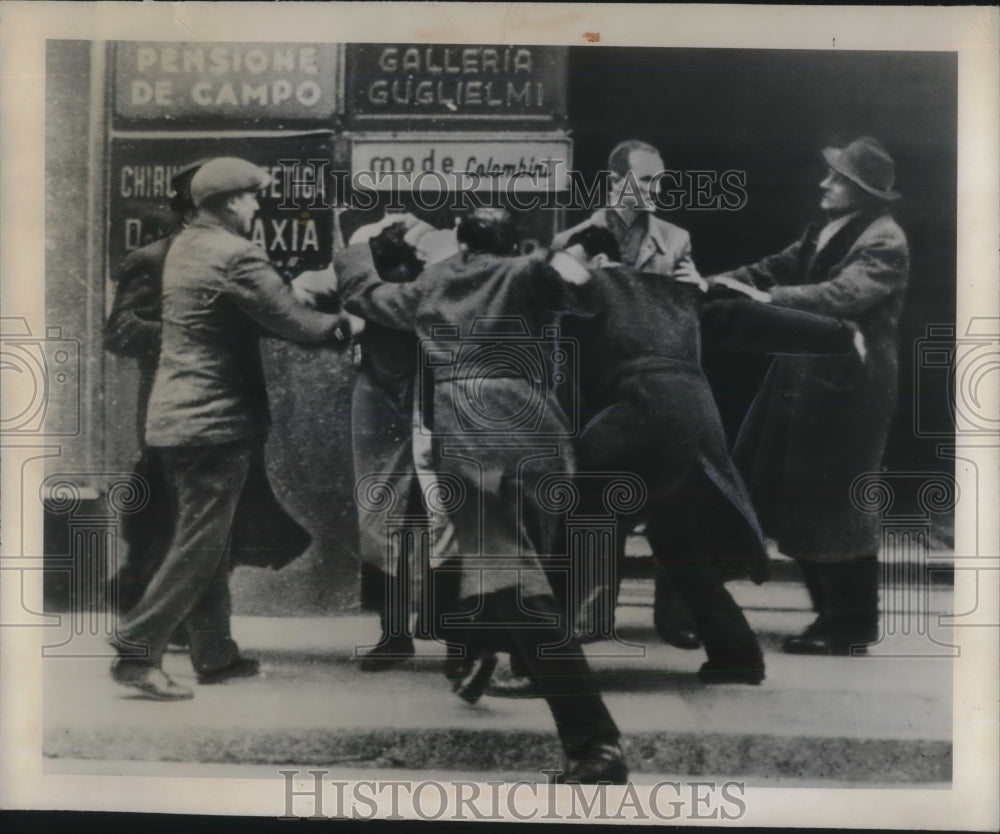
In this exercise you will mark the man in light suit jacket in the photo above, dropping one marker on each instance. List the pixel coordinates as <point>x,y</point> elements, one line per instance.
<point>820,422</point>
<point>647,243</point>
<point>651,245</point>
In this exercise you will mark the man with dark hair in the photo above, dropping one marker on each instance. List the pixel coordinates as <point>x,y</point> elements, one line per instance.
<point>476,307</point>
<point>648,410</point>
<point>818,423</point>
<point>208,417</point>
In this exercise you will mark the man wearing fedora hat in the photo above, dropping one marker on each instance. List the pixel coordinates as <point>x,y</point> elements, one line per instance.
<point>819,422</point>
<point>208,419</point>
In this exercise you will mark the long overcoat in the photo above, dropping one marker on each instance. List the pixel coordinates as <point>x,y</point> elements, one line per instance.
<point>646,407</point>
<point>382,438</point>
<point>819,422</point>
<point>497,427</point>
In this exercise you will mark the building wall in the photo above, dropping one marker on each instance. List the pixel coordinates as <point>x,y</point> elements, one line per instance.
<point>71,301</point>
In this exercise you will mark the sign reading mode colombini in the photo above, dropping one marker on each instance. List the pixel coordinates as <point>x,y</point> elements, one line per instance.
<point>237,81</point>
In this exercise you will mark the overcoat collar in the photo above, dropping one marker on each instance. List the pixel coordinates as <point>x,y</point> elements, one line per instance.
<point>816,265</point>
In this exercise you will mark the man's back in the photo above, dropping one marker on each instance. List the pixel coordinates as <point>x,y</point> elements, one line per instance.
<point>210,382</point>
<point>467,287</point>
<point>642,321</point>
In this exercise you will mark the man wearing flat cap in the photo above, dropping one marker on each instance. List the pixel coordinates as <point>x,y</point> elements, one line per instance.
<point>819,422</point>
<point>132,330</point>
<point>208,418</point>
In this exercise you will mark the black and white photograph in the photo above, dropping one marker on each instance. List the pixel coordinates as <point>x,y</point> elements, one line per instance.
<point>530,413</point>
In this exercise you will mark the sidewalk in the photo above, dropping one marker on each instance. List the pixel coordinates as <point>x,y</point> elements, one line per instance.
<point>882,719</point>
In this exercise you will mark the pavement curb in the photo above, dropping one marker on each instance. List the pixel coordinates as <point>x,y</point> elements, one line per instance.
<point>886,761</point>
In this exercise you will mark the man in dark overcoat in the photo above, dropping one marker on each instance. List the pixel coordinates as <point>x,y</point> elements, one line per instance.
<point>497,432</point>
<point>818,423</point>
<point>648,410</point>
<point>208,416</point>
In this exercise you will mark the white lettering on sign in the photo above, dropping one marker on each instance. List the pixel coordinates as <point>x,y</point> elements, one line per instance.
<point>526,164</point>
<point>455,79</point>
<point>438,60</point>
<point>222,60</point>
<point>297,183</point>
<point>234,80</point>
<point>285,235</point>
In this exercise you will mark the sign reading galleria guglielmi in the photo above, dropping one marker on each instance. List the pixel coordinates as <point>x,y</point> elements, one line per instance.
<point>394,81</point>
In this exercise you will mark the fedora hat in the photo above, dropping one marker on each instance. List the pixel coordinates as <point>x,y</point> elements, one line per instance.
<point>867,164</point>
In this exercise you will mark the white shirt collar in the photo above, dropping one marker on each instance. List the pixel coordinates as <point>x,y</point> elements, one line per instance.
<point>831,228</point>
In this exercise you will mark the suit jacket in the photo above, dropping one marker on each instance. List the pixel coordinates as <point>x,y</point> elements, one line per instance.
<point>663,246</point>
<point>819,422</point>
<point>264,535</point>
<point>220,294</point>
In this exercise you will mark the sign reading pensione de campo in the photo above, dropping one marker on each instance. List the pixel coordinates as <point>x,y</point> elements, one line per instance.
<point>237,81</point>
<point>455,80</point>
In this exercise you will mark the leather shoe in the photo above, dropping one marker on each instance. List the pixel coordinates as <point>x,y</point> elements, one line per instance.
<point>821,644</point>
<point>242,667</point>
<point>151,681</point>
<point>680,637</point>
<point>715,672</point>
<point>388,654</point>
<point>599,763</point>
<point>515,686</point>
<point>469,680</point>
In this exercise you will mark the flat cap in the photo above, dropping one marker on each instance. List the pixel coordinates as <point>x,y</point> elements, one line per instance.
<point>224,175</point>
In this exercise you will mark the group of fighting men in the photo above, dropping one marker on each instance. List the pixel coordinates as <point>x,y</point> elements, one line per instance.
<point>451,415</point>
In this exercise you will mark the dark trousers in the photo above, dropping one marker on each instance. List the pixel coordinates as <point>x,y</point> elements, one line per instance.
<point>845,597</point>
<point>689,522</point>
<point>680,528</point>
<point>191,585</point>
<point>563,677</point>
<point>146,533</point>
